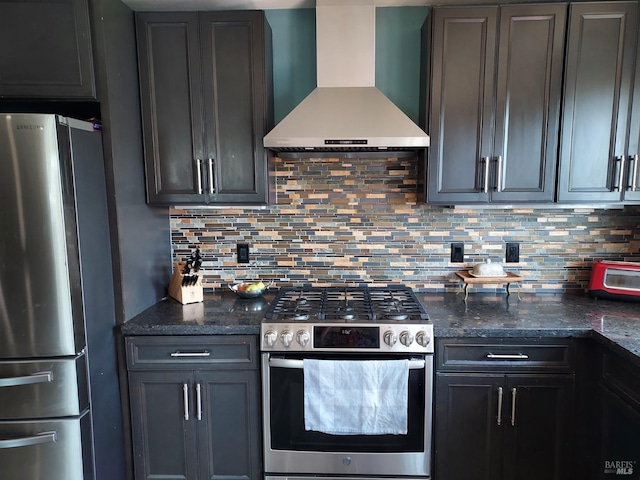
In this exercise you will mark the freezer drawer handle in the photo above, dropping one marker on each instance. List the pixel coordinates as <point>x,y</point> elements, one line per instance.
<point>39,377</point>
<point>44,437</point>
<point>191,354</point>
<point>289,363</point>
<point>499,356</point>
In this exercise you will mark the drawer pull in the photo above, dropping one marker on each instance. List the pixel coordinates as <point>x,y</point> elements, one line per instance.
<point>513,407</point>
<point>40,438</point>
<point>499,406</point>
<point>39,377</point>
<point>179,354</point>
<point>507,356</point>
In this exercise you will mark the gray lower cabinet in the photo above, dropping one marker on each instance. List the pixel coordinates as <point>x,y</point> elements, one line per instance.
<point>495,103</point>
<point>206,83</point>
<point>601,57</point>
<point>195,407</point>
<point>620,413</point>
<point>45,50</point>
<point>503,409</point>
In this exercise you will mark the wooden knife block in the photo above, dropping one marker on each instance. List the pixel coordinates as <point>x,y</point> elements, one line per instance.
<point>185,294</point>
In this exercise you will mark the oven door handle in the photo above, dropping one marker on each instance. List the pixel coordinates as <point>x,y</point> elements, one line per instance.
<point>292,363</point>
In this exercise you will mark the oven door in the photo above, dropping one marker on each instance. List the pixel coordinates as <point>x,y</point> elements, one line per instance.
<point>290,449</point>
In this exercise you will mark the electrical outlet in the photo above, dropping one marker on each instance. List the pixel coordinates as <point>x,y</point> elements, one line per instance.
<point>457,252</point>
<point>513,253</point>
<point>242,253</point>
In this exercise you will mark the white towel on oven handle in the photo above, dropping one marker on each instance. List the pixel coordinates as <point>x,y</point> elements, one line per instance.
<point>355,397</point>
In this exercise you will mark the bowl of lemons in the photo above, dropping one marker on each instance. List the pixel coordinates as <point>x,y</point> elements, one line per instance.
<point>249,289</point>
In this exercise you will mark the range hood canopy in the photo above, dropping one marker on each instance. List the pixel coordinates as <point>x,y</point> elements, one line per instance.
<point>346,112</point>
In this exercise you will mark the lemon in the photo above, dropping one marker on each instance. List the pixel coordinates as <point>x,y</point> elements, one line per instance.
<point>255,286</point>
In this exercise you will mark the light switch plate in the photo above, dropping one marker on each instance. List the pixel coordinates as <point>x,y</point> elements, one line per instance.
<point>242,253</point>
<point>457,252</point>
<point>512,253</point>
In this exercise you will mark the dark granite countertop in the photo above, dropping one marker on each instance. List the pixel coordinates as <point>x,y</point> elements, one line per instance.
<point>616,324</point>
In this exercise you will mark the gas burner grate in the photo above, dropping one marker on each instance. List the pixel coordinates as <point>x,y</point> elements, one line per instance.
<point>346,304</point>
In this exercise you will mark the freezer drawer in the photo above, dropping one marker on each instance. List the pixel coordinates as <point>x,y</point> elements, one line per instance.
<point>31,389</point>
<point>62,448</point>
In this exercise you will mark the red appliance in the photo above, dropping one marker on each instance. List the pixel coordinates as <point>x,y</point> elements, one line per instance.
<point>615,280</point>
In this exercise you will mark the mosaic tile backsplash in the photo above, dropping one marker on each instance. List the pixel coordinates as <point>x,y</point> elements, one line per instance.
<point>353,221</point>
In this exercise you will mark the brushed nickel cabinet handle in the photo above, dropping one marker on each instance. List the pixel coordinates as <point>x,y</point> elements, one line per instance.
<point>212,189</point>
<point>507,356</point>
<point>199,401</point>
<point>486,174</point>
<point>499,179</point>
<point>499,406</point>
<point>513,407</point>
<point>634,174</point>
<point>185,399</point>
<point>620,171</point>
<point>179,354</point>
<point>199,173</point>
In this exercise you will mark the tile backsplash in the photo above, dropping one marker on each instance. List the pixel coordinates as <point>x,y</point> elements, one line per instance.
<point>348,221</point>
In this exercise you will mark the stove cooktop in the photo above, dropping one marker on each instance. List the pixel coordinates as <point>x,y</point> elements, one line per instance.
<point>347,319</point>
<point>346,304</point>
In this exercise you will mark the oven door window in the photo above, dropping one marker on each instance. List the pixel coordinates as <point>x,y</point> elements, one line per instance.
<point>287,416</point>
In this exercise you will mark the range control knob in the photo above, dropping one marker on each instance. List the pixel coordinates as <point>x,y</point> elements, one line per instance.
<point>286,337</point>
<point>390,338</point>
<point>406,338</point>
<point>270,338</point>
<point>302,337</point>
<point>422,338</point>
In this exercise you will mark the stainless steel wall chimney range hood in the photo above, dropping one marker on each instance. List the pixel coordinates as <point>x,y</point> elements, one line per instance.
<point>346,112</point>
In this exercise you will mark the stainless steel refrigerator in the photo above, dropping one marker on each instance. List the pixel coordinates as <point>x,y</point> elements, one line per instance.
<point>60,417</point>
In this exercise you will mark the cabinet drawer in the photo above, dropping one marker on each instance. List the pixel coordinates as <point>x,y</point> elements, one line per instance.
<point>621,376</point>
<point>502,354</point>
<point>226,351</point>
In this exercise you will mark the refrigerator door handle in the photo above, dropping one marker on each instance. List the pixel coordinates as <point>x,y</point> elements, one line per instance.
<point>44,437</point>
<point>38,377</point>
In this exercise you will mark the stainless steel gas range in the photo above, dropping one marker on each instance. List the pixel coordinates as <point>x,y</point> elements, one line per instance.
<point>356,329</point>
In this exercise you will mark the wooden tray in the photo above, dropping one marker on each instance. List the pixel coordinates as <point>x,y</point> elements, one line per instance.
<point>471,280</point>
<point>468,278</point>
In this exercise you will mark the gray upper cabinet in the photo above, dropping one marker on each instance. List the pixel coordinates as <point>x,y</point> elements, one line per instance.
<point>45,50</point>
<point>495,103</point>
<point>632,171</point>
<point>600,66</point>
<point>205,90</point>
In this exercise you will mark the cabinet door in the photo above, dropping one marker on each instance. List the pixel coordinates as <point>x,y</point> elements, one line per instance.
<point>529,85</point>
<point>632,181</point>
<point>45,49</point>
<point>538,425</point>
<point>599,70</point>
<point>620,456</point>
<point>461,119</point>
<point>169,65</point>
<point>229,433</point>
<point>163,425</point>
<point>234,79</point>
<point>468,430</point>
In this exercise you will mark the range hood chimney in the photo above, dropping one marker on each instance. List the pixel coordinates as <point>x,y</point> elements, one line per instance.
<point>346,112</point>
